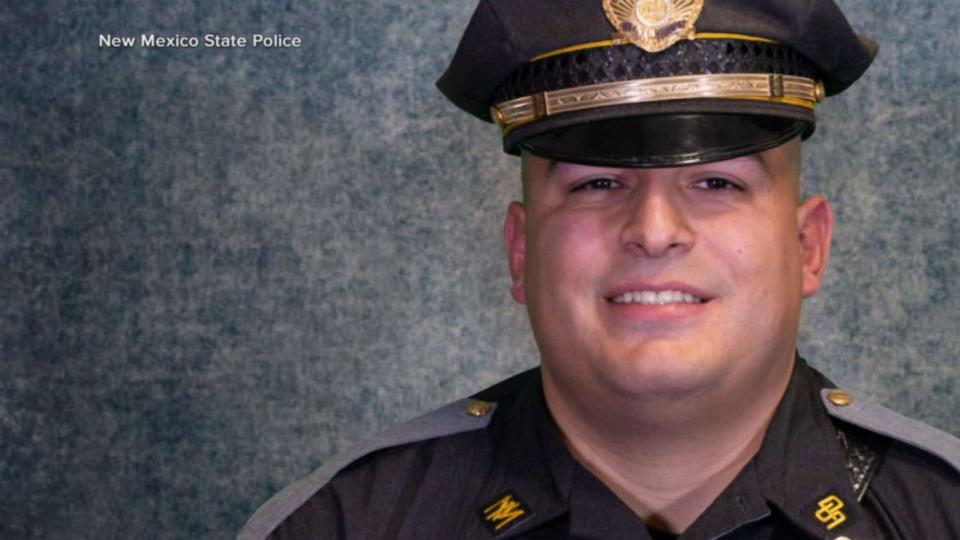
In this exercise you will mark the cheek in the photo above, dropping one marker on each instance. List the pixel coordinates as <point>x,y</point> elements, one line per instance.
<point>756,252</point>
<point>568,248</point>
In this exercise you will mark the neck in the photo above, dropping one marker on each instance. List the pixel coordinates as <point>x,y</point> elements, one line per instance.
<point>666,458</point>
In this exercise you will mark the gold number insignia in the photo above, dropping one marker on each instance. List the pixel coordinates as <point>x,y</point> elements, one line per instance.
<point>830,512</point>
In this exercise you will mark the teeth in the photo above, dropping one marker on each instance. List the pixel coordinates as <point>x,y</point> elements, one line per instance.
<point>656,298</point>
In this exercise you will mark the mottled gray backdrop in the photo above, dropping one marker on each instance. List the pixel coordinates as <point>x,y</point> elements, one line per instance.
<point>219,267</point>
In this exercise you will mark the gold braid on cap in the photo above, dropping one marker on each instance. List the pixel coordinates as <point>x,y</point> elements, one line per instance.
<point>770,87</point>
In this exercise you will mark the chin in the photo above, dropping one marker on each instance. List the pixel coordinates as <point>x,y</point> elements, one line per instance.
<point>664,373</point>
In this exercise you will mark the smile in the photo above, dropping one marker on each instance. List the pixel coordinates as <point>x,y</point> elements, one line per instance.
<point>653,298</point>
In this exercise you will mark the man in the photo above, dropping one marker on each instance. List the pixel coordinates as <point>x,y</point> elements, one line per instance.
<point>663,252</point>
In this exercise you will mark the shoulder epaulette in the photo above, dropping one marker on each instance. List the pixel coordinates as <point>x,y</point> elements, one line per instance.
<point>874,417</point>
<point>457,417</point>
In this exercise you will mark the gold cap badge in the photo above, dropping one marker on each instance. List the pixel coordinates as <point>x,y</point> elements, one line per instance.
<point>653,25</point>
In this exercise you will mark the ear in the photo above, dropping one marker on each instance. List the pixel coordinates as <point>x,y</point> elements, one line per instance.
<point>515,237</point>
<point>815,222</point>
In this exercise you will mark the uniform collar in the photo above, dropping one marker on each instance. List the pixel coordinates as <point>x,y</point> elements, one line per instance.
<point>525,452</point>
<point>550,482</point>
<point>533,464</point>
<point>802,463</point>
<point>798,473</point>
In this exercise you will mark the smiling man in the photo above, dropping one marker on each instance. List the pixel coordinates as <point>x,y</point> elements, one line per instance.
<point>657,296</point>
<point>663,251</point>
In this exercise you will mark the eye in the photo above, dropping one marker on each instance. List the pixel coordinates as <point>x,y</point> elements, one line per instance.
<point>716,183</point>
<point>596,184</point>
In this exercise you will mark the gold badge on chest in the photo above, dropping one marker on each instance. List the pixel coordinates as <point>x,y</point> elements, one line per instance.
<point>653,25</point>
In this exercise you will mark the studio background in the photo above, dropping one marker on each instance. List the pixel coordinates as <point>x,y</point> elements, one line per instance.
<point>219,267</point>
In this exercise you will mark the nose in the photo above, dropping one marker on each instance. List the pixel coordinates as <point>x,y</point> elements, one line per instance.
<point>656,224</point>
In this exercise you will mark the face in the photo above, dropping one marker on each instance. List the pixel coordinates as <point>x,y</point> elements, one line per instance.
<point>643,282</point>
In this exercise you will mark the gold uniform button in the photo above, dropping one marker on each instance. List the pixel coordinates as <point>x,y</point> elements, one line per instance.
<point>479,408</point>
<point>819,94</point>
<point>840,398</point>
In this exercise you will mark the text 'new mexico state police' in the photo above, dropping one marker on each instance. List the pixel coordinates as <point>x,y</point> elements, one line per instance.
<point>207,40</point>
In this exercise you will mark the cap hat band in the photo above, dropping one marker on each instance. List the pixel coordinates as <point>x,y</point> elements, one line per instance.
<point>614,42</point>
<point>776,88</point>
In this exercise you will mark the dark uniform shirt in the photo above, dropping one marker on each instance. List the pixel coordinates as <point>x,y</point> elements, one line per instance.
<point>814,477</point>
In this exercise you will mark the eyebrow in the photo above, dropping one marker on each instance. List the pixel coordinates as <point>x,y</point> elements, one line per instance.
<point>553,164</point>
<point>760,161</point>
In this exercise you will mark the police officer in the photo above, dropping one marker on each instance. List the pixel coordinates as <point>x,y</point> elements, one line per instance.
<point>663,252</point>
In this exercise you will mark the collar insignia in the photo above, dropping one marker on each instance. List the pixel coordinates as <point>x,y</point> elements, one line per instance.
<point>503,513</point>
<point>830,512</point>
<point>653,25</point>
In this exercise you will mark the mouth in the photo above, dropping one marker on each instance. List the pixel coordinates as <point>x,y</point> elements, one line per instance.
<point>656,298</point>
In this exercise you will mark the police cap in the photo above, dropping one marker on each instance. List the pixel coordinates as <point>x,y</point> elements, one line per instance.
<point>652,83</point>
